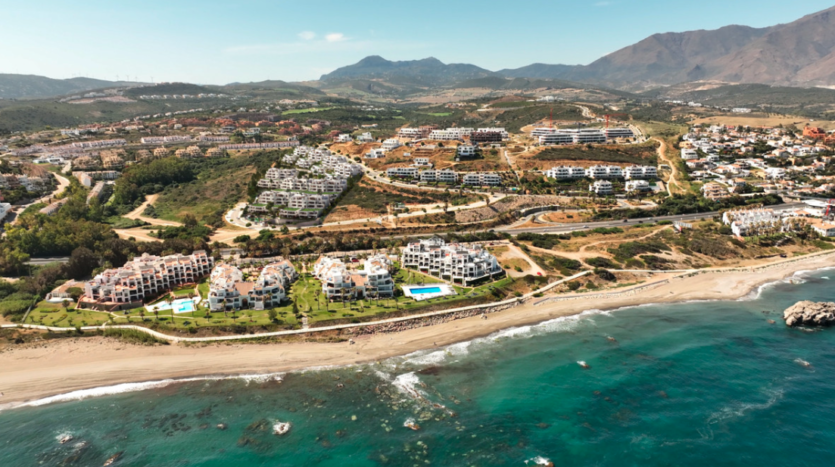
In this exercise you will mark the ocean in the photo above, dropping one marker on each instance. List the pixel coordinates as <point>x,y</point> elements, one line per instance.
<point>691,384</point>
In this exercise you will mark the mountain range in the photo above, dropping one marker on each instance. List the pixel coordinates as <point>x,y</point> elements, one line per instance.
<point>801,53</point>
<point>34,87</point>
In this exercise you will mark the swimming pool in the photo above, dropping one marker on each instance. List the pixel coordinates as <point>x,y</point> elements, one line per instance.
<point>421,292</point>
<point>183,305</point>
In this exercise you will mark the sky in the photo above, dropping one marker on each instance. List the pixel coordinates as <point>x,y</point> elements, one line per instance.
<point>219,42</point>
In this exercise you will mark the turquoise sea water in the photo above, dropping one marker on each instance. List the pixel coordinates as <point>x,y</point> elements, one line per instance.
<point>710,383</point>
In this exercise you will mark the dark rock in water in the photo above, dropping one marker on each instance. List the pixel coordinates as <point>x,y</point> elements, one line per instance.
<point>810,314</point>
<point>542,426</point>
<point>432,370</point>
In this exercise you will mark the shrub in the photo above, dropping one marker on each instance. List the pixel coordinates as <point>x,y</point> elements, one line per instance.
<point>601,262</point>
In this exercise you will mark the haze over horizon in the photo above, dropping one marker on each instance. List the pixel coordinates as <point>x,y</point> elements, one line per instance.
<point>260,40</point>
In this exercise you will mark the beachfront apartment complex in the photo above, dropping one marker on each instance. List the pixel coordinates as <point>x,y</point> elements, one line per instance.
<point>229,291</point>
<point>147,276</point>
<point>339,283</point>
<point>454,262</point>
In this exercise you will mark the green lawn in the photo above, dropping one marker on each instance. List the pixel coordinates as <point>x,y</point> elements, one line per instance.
<point>303,292</point>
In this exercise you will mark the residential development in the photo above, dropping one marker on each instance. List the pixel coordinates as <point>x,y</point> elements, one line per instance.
<point>229,291</point>
<point>341,283</point>
<point>146,276</point>
<point>455,262</point>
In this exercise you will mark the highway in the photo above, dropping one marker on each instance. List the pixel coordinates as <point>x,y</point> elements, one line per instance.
<point>563,228</point>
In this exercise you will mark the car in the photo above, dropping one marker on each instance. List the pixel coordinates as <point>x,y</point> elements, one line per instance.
<point>625,220</point>
<point>538,273</point>
<point>585,227</point>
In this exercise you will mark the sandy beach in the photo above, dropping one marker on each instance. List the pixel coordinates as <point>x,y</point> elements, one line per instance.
<point>34,371</point>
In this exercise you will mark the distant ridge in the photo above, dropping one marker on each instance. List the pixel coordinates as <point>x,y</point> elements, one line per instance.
<point>428,71</point>
<point>38,87</point>
<point>801,53</point>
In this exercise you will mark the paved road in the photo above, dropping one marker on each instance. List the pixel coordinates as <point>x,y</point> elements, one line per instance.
<point>45,261</point>
<point>563,228</point>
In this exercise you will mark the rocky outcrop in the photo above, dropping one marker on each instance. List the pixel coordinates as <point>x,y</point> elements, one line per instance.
<point>810,314</point>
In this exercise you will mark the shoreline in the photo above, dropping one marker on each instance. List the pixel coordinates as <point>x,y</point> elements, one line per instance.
<point>51,372</point>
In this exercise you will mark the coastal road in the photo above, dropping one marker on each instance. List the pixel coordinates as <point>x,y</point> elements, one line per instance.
<point>563,228</point>
<point>577,227</point>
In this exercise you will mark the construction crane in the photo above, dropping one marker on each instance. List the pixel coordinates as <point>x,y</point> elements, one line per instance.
<point>613,115</point>
<point>830,210</point>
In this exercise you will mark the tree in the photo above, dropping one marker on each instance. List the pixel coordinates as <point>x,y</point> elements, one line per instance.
<point>272,314</point>
<point>65,304</point>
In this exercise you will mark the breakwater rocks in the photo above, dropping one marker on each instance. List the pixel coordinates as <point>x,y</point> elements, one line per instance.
<point>810,314</point>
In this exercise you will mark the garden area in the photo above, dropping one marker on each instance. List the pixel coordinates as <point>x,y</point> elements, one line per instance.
<point>305,300</point>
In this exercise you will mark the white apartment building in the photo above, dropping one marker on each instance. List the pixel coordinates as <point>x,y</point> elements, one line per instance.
<point>411,133</point>
<point>274,173</point>
<point>365,138</point>
<point>229,291</point>
<point>339,283</point>
<point>443,176</point>
<point>554,138</point>
<point>601,187</point>
<point>402,172</point>
<point>615,133</point>
<point>343,138</point>
<point>391,144</point>
<point>376,153</point>
<point>745,222</point>
<point>565,173</point>
<point>466,150</point>
<point>5,209</point>
<point>637,186</point>
<point>503,132</point>
<point>147,276</point>
<point>482,179</point>
<point>167,139</point>
<point>775,172</point>
<point>454,262</point>
<point>604,171</point>
<point>450,134</point>
<point>106,143</point>
<point>422,162</point>
<point>689,154</point>
<point>640,172</point>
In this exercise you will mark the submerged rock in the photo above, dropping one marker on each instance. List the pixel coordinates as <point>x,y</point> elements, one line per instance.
<point>810,314</point>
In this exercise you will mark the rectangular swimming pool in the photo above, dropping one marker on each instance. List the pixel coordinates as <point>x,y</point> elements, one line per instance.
<point>422,292</point>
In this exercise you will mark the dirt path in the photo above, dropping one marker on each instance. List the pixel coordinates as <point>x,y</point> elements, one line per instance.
<point>137,213</point>
<point>662,154</point>
<point>602,242</point>
<point>513,252</point>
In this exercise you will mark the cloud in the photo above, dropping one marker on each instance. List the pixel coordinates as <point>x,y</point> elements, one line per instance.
<point>307,35</point>
<point>335,37</point>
